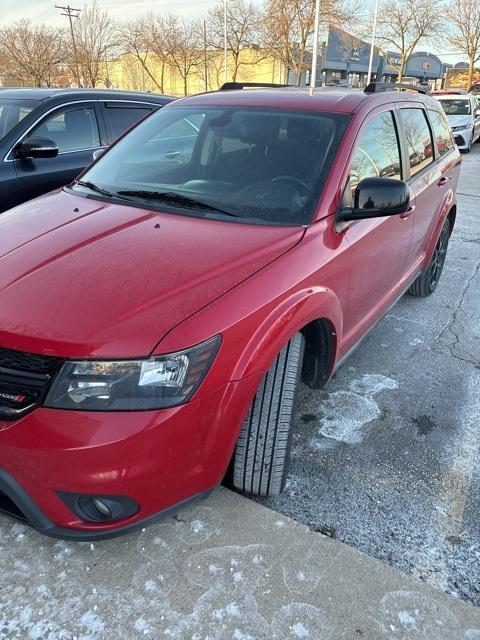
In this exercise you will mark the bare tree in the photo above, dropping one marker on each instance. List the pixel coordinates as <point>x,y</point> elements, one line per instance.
<point>32,54</point>
<point>95,34</point>
<point>168,35</point>
<point>464,19</point>
<point>243,27</point>
<point>403,24</point>
<point>288,26</point>
<point>135,39</point>
<point>183,48</point>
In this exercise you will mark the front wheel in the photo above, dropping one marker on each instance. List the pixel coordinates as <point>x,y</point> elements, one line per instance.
<point>426,283</point>
<point>260,462</point>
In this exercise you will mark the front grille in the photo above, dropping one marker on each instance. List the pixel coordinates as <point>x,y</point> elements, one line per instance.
<point>24,381</point>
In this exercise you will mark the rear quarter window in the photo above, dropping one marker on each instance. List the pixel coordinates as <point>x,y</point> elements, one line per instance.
<point>441,131</point>
<point>418,138</point>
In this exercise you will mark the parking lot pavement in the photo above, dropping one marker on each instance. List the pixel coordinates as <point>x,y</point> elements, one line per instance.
<point>386,457</point>
<point>226,569</point>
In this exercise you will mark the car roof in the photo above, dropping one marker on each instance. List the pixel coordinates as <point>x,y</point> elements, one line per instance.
<point>332,99</point>
<point>43,94</point>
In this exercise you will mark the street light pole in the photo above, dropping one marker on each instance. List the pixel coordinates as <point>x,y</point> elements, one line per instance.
<point>225,48</point>
<point>313,77</point>
<point>372,46</point>
<point>71,13</point>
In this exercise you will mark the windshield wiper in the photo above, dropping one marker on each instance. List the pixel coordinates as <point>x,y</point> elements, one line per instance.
<point>176,198</point>
<point>93,187</point>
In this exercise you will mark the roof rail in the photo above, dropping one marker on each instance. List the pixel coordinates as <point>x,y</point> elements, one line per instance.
<point>377,87</point>
<point>231,86</point>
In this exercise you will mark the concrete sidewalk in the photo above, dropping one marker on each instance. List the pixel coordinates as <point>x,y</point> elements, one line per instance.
<point>226,569</point>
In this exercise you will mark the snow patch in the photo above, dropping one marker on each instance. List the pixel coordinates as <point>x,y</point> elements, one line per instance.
<point>346,412</point>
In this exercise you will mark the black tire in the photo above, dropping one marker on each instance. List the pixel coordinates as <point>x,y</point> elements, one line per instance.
<point>261,458</point>
<point>427,281</point>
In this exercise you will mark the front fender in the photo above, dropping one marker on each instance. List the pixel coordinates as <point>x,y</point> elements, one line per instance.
<point>294,313</point>
<point>258,316</point>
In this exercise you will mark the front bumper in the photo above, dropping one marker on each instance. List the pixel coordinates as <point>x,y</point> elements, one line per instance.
<point>462,139</point>
<point>161,459</point>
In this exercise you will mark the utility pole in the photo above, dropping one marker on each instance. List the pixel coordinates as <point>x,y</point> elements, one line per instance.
<point>71,13</point>
<point>313,76</point>
<point>372,46</point>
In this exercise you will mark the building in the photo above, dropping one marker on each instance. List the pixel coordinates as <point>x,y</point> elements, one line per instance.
<point>424,66</point>
<point>344,59</point>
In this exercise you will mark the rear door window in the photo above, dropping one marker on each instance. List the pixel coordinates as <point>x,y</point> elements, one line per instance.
<point>120,117</point>
<point>418,138</point>
<point>442,132</point>
<point>377,154</point>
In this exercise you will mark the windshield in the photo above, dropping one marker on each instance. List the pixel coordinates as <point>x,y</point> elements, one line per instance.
<point>12,112</point>
<point>457,107</point>
<point>260,165</point>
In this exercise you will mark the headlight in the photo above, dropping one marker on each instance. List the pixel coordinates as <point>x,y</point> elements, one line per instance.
<point>461,127</point>
<point>132,385</point>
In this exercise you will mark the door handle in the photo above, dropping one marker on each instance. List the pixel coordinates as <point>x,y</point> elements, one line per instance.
<point>172,154</point>
<point>443,180</point>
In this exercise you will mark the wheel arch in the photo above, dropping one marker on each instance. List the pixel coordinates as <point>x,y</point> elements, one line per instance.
<point>320,348</point>
<point>317,314</point>
<point>452,217</point>
<point>448,212</point>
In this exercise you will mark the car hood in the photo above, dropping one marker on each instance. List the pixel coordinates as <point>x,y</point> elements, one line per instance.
<point>82,278</point>
<point>458,121</point>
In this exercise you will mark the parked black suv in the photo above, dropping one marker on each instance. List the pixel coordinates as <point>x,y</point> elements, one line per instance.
<point>47,136</point>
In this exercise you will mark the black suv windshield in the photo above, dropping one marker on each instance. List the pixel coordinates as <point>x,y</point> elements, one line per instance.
<point>258,164</point>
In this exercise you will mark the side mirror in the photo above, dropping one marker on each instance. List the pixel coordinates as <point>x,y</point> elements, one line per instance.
<point>98,154</point>
<point>376,198</point>
<point>36,148</point>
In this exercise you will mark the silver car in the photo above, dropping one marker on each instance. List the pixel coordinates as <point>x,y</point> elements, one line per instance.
<point>463,113</point>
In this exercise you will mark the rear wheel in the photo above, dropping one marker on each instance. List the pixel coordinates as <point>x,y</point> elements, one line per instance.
<point>261,458</point>
<point>427,281</point>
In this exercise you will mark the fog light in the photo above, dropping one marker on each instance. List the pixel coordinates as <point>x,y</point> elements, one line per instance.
<point>100,508</point>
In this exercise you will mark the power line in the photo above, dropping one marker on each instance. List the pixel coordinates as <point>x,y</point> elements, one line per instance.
<point>71,13</point>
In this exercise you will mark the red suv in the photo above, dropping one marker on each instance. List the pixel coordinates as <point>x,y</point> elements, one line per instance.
<point>158,314</point>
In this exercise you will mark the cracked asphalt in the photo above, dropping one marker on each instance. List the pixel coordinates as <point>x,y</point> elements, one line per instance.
<point>386,457</point>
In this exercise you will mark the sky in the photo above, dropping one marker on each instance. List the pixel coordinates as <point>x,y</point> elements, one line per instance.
<point>44,11</point>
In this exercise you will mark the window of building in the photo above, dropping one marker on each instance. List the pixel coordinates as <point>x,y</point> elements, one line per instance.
<point>418,138</point>
<point>378,152</point>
